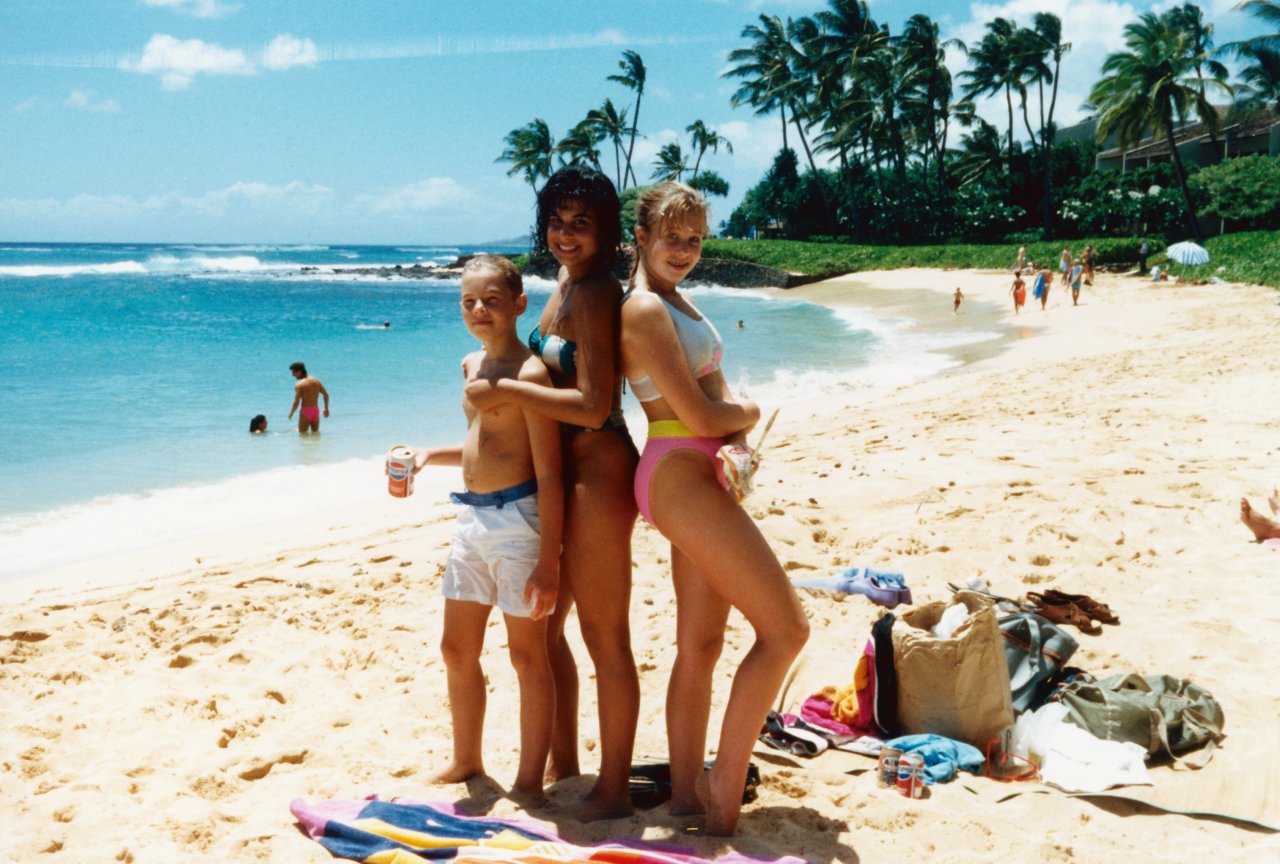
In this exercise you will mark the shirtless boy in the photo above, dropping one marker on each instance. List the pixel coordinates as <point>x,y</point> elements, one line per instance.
<point>506,546</point>
<point>307,393</point>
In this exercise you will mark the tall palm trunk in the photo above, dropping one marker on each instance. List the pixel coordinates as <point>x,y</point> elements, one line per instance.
<point>1008,98</point>
<point>635,124</point>
<point>817,178</point>
<point>1046,154</point>
<point>1192,222</point>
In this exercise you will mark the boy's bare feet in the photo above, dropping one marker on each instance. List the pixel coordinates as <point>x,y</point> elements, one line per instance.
<point>1262,527</point>
<point>721,816</point>
<point>456,774</point>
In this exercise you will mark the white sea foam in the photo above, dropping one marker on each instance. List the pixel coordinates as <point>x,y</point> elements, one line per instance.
<point>252,247</point>
<point>104,269</point>
<point>118,524</point>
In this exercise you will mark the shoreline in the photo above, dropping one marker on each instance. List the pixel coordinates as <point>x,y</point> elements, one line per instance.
<point>1106,456</point>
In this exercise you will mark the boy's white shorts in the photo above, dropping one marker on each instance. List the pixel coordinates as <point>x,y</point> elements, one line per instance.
<point>494,552</point>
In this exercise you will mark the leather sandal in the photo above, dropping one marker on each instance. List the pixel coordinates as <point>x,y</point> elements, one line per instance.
<point>1064,613</point>
<point>1095,609</point>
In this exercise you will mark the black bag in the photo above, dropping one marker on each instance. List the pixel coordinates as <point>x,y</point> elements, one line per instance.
<point>1036,649</point>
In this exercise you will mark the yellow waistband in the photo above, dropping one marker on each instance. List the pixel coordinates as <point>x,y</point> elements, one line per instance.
<point>669,429</point>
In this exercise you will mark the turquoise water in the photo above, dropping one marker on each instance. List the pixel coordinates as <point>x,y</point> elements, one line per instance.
<point>128,374</point>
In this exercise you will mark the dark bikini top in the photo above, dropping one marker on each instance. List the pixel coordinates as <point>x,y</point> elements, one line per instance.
<point>558,353</point>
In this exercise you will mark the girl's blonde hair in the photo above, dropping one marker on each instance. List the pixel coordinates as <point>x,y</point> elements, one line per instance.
<point>666,204</point>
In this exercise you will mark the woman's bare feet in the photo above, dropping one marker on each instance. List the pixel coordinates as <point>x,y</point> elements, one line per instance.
<point>1262,527</point>
<point>1274,500</point>
<point>529,798</point>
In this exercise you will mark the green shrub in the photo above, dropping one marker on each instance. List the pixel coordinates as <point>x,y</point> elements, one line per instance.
<point>1245,190</point>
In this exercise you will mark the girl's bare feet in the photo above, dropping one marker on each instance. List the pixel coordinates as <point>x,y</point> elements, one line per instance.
<point>456,773</point>
<point>529,798</point>
<point>721,813</point>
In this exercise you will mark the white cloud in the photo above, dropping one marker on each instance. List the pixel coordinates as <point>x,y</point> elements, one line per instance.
<point>196,8</point>
<point>178,61</point>
<point>87,100</point>
<point>239,199</point>
<point>287,51</point>
<point>27,104</point>
<point>435,194</point>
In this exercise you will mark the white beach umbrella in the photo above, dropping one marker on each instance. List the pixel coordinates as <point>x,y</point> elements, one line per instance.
<point>1188,253</point>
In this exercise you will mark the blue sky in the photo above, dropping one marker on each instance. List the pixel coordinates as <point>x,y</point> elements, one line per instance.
<point>379,121</point>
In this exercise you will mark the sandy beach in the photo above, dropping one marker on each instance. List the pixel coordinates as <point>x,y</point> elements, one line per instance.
<point>173,708</point>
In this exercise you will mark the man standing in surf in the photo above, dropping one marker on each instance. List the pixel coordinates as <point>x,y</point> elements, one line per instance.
<point>307,393</point>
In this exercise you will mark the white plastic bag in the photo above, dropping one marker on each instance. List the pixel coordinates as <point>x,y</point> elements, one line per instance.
<point>1033,731</point>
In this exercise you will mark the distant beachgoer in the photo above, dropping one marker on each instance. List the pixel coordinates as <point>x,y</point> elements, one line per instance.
<point>1088,265</point>
<point>506,544</point>
<point>258,424</point>
<point>1064,263</point>
<point>1019,291</point>
<point>1077,275</point>
<point>307,393</point>
<point>959,298</point>
<point>1046,282</point>
<point>1144,249</point>
<point>1022,260</point>
<point>741,326</point>
<point>1262,527</point>
<point>386,325</point>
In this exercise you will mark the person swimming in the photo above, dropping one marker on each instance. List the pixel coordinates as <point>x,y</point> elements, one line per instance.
<point>258,424</point>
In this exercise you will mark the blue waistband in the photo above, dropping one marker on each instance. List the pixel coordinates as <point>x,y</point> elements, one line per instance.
<point>496,499</point>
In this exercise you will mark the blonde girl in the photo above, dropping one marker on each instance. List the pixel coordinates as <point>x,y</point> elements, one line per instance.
<point>671,357</point>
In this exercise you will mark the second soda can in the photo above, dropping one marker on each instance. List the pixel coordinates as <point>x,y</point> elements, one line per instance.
<point>911,775</point>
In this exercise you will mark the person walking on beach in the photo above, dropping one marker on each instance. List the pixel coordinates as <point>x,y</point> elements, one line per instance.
<point>1088,264</point>
<point>1019,292</point>
<point>577,337</point>
<point>1064,263</point>
<point>1144,249</point>
<point>1021,261</point>
<point>719,560</point>
<point>958,298</point>
<point>506,544</point>
<point>1263,527</point>
<point>1077,275</point>
<point>1044,281</point>
<point>306,393</point>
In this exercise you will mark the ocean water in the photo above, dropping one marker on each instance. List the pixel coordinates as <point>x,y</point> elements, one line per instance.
<point>128,374</point>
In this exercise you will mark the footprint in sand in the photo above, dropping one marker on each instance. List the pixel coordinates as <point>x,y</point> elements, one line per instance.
<point>262,769</point>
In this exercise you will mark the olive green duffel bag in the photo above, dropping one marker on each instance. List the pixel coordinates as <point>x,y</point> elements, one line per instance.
<point>1158,712</point>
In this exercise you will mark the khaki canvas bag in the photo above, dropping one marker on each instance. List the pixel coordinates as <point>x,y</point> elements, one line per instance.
<point>956,687</point>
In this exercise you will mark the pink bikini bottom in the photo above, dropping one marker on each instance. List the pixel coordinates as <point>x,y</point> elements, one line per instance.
<point>664,437</point>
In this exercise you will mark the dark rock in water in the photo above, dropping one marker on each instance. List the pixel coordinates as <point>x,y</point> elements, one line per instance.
<point>718,271</point>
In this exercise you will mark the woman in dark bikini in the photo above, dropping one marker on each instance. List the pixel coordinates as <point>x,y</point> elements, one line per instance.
<point>577,337</point>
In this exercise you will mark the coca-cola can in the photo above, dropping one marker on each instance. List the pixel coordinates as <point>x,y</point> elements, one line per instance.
<point>888,765</point>
<point>911,775</point>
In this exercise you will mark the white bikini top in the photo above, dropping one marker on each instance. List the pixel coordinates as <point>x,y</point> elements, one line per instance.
<point>702,347</point>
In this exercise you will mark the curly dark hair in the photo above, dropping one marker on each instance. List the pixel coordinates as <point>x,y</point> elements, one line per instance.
<point>592,188</point>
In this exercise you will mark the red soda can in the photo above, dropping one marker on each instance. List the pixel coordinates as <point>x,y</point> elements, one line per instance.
<point>400,471</point>
<point>911,775</point>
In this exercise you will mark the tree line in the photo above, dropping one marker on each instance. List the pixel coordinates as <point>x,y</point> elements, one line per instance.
<point>906,158</point>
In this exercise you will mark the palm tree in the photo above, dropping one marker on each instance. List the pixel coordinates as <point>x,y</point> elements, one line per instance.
<point>671,162</point>
<point>632,77</point>
<point>611,124</point>
<point>530,150</point>
<point>1153,85</point>
<point>1047,28</point>
<point>1266,11</point>
<point>1259,89</point>
<point>705,139</point>
<point>578,147</point>
<point>764,68</point>
<point>928,97</point>
<point>993,67</point>
<point>979,155</point>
